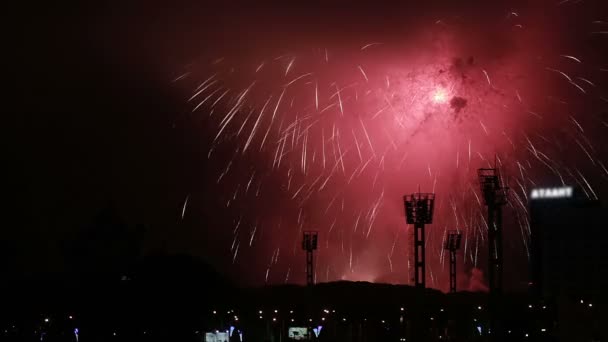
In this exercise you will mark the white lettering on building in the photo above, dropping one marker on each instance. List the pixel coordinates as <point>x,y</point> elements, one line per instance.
<point>561,192</point>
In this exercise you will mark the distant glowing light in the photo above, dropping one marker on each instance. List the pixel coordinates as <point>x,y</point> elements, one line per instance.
<point>440,95</point>
<point>559,192</point>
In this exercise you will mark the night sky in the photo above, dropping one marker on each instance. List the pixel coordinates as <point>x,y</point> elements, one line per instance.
<point>227,130</point>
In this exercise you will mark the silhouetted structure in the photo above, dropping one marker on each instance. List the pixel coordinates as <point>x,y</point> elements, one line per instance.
<point>495,196</point>
<point>569,258</point>
<point>419,211</point>
<point>452,244</point>
<point>309,244</point>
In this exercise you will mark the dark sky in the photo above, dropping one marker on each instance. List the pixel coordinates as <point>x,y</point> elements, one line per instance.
<point>96,118</point>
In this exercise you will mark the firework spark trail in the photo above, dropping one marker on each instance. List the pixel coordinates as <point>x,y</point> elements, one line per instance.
<point>389,151</point>
<point>184,206</point>
<point>363,73</point>
<point>205,99</point>
<point>232,113</point>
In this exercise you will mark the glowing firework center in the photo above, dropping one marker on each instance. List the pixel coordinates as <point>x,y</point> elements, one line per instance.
<point>552,193</point>
<point>440,95</point>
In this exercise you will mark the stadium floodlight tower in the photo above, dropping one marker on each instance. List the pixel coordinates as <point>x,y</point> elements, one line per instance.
<point>452,244</point>
<point>419,211</point>
<point>309,244</point>
<point>495,196</point>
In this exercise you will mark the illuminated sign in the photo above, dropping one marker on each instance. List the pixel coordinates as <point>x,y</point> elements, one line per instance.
<point>298,333</point>
<point>560,192</point>
<point>217,336</point>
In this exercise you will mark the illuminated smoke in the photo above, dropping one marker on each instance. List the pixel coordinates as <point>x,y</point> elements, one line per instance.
<point>329,136</point>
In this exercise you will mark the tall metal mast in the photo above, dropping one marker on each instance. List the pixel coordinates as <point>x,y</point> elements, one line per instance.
<point>419,211</point>
<point>309,244</point>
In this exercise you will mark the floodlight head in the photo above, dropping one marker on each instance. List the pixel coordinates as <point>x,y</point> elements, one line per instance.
<point>309,241</point>
<point>491,187</point>
<point>453,240</point>
<point>419,208</point>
